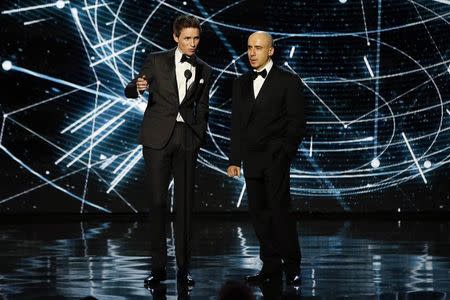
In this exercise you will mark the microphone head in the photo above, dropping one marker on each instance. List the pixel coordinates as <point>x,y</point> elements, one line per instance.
<point>188,74</point>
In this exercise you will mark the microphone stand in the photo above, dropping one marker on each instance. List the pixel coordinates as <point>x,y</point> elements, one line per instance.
<point>187,75</point>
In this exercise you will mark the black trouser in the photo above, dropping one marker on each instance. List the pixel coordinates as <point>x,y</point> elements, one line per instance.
<point>269,204</point>
<point>178,159</point>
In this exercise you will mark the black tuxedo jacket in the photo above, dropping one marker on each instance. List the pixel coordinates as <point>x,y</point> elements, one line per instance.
<point>272,123</point>
<point>163,103</point>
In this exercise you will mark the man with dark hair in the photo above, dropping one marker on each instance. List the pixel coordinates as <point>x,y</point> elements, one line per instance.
<point>172,131</point>
<point>185,21</point>
<point>267,125</point>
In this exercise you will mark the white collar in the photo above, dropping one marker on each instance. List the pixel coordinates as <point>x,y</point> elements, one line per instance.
<point>178,55</point>
<point>268,66</point>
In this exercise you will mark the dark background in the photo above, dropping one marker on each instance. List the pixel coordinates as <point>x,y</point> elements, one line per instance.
<point>408,54</point>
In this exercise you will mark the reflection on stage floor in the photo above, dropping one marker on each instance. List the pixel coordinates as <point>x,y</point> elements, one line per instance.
<point>349,259</point>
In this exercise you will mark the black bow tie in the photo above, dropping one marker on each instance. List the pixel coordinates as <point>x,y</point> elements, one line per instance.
<point>189,59</point>
<point>263,74</point>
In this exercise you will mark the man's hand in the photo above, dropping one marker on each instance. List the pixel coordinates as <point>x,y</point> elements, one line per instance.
<point>142,84</point>
<point>234,171</point>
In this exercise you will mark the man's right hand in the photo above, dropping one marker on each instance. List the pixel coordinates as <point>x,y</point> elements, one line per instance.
<point>234,171</point>
<point>142,84</point>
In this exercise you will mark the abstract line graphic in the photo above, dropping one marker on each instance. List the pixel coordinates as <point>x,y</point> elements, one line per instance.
<point>377,89</point>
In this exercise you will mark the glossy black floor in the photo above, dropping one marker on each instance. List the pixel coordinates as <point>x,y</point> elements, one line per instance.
<point>352,259</point>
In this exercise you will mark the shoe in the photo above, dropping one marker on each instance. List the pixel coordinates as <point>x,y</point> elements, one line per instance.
<point>262,277</point>
<point>294,279</point>
<point>158,291</point>
<point>184,290</point>
<point>155,277</point>
<point>184,277</point>
<point>273,288</point>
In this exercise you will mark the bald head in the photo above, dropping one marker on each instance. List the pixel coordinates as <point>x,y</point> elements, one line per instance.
<point>265,37</point>
<point>259,49</point>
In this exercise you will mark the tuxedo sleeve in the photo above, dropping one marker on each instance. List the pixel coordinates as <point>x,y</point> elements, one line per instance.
<point>235,157</point>
<point>295,114</point>
<point>147,70</point>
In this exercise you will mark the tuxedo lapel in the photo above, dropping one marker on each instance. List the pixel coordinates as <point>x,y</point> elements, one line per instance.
<point>248,98</point>
<point>170,64</point>
<point>248,93</point>
<point>265,88</point>
<point>198,75</point>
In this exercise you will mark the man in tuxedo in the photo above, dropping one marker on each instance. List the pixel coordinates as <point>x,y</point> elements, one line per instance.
<point>267,125</point>
<point>172,131</point>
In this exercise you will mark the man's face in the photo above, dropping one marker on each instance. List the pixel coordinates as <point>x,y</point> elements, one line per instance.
<point>188,40</point>
<point>259,50</point>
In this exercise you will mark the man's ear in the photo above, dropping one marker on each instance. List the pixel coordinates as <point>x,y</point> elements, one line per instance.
<point>175,38</point>
<point>271,51</point>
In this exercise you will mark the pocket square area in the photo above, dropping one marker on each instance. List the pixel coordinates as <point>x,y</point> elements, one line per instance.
<point>201,81</point>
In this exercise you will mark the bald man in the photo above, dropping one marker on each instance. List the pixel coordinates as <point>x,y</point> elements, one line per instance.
<point>267,126</point>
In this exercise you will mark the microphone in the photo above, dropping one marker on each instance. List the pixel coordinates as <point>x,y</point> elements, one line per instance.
<point>187,74</point>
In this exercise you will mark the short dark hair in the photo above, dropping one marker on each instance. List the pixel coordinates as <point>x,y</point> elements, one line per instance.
<point>185,21</point>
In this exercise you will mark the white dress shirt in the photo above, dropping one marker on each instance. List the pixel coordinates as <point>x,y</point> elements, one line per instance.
<point>180,68</point>
<point>259,81</point>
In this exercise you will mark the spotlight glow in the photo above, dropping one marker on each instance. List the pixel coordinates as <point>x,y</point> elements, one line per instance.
<point>375,163</point>
<point>60,4</point>
<point>7,65</point>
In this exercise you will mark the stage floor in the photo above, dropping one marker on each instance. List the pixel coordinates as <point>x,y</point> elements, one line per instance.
<point>352,259</point>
